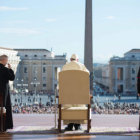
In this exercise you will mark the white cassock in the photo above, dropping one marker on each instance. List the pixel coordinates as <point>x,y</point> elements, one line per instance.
<point>74,65</point>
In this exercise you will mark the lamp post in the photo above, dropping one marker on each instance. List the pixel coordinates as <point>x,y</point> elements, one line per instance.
<point>22,85</point>
<point>21,89</point>
<point>35,83</point>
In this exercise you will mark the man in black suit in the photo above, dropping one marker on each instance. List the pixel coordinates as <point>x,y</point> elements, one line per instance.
<point>6,74</point>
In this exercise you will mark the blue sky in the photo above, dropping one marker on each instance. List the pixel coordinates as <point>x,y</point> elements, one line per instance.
<point>59,24</point>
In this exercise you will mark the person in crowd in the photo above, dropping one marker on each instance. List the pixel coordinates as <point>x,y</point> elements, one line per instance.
<point>6,74</point>
<point>74,64</point>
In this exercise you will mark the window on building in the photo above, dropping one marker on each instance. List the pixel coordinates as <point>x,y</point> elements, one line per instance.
<point>26,55</point>
<point>44,85</point>
<point>133,71</point>
<point>25,69</point>
<point>45,55</point>
<point>44,69</point>
<point>133,56</point>
<point>120,73</point>
<point>35,55</point>
<point>44,78</point>
<point>35,78</point>
<point>133,78</point>
<point>120,88</point>
<point>133,86</point>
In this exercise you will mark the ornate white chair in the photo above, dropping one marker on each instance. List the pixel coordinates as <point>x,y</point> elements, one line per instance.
<point>74,90</point>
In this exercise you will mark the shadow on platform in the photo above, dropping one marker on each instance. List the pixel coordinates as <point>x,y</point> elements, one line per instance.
<point>94,131</point>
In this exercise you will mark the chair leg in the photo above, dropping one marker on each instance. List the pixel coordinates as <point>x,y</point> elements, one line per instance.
<point>90,123</point>
<point>88,126</point>
<point>59,120</point>
<point>59,125</point>
<point>88,118</point>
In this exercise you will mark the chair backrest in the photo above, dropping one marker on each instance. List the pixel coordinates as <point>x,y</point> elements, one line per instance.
<point>74,87</point>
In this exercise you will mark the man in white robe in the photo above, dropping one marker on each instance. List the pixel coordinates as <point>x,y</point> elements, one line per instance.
<point>74,65</point>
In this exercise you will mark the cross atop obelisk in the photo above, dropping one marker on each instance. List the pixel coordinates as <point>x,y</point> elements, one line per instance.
<point>88,56</point>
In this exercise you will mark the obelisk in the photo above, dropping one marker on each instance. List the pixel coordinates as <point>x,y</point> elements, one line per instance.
<point>88,54</point>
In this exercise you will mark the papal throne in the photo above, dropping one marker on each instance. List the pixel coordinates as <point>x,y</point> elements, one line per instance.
<point>74,90</point>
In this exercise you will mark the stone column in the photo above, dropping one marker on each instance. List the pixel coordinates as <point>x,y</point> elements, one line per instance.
<point>88,56</point>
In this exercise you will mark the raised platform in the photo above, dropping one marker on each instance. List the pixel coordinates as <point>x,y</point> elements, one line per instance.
<point>41,127</point>
<point>97,120</point>
<point>94,130</point>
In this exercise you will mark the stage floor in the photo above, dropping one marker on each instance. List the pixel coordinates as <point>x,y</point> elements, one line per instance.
<point>97,120</point>
<point>39,127</point>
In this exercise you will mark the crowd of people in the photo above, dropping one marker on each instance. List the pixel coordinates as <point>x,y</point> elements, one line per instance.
<point>30,109</point>
<point>116,108</point>
<point>106,108</point>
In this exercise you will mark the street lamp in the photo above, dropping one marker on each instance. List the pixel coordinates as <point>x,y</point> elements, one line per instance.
<point>35,83</point>
<point>22,85</point>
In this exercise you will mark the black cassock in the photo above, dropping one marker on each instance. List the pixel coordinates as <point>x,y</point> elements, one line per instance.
<point>6,75</point>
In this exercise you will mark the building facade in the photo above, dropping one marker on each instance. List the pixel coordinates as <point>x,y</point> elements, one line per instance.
<point>123,73</point>
<point>38,70</point>
<point>101,75</point>
<point>13,59</point>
